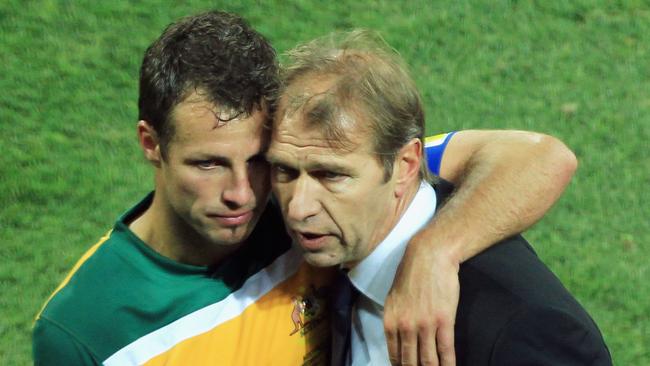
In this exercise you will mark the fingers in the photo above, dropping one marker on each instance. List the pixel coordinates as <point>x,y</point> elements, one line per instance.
<point>425,345</point>
<point>392,341</point>
<point>419,320</point>
<point>446,350</point>
<point>427,350</point>
<point>408,339</point>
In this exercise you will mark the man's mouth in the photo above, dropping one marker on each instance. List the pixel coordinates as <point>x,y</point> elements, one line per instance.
<point>311,240</point>
<point>232,219</point>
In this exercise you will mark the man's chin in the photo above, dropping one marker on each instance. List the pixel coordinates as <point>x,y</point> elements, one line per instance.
<point>322,259</point>
<point>229,237</point>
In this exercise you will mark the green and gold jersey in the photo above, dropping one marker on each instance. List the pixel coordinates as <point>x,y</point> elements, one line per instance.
<point>125,304</point>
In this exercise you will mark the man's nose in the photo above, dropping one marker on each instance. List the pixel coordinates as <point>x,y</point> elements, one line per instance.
<point>303,203</point>
<point>238,192</point>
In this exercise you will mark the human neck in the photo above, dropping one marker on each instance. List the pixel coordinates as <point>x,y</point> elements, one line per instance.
<point>397,209</point>
<point>164,232</point>
<point>405,200</point>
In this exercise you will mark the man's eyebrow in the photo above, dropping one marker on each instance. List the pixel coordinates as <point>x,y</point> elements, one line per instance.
<point>271,158</point>
<point>207,156</point>
<point>278,159</point>
<point>319,165</point>
<point>309,165</point>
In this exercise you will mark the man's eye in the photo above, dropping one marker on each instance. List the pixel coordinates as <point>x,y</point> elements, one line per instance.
<point>283,173</point>
<point>330,176</point>
<point>206,164</point>
<point>279,169</point>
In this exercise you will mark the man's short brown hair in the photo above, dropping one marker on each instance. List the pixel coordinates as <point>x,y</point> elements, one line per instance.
<point>216,54</point>
<point>370,82</point>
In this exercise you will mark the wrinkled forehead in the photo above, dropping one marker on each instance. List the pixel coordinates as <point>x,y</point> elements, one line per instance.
<point>317,105</point>
<point>296,144</point>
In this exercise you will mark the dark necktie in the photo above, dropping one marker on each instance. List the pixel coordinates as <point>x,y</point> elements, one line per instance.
<point>343,298</point>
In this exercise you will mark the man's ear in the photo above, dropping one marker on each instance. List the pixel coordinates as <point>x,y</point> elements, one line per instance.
<point>407,165</point>
<point>149,142</point>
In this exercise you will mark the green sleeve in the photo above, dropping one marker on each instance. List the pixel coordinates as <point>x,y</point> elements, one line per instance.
<point>53,345</point>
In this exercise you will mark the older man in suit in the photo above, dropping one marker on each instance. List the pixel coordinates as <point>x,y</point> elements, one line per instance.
<point>349,174</point>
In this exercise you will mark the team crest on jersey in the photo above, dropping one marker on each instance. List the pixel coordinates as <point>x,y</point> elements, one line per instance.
<point>308,310</point>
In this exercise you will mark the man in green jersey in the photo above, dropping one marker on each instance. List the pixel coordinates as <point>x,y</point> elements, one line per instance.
<point>201,271</point>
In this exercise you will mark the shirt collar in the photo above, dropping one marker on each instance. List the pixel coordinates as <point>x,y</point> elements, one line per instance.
<point>374,275</point>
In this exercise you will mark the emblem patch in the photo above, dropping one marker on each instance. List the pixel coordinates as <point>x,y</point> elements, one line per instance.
<point>308,310</point>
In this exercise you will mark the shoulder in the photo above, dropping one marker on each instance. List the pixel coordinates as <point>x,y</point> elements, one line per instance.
<point>512,270</point>
<point>54,344</point>
<point>88,298</point>
<point>87,267</point>
<point>511,297</point>
<point>91,269</point>
<point>549,336</point>
<point>512,267</point>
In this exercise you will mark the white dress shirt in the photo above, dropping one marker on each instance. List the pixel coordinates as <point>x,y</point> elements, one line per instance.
<point>373,277</point>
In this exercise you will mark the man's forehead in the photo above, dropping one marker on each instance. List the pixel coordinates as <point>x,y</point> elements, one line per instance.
<point>197,125</point>
<point>316,151</point>
<point>311,154</point>
<point>198,104</point>
<point>300,131</point>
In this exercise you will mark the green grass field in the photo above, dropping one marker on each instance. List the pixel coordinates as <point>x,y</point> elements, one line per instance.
<point>70,162</point>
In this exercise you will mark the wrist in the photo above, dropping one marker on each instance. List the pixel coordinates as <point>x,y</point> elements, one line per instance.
<point>442,249</point>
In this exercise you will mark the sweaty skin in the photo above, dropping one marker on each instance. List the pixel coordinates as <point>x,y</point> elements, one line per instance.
<point>211,186</point>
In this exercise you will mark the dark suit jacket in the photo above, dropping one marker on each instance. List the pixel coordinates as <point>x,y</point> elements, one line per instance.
<point>514,311</point>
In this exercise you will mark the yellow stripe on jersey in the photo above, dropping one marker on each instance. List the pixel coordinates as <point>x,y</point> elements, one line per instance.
<point>435,139</point>
<point>286,326</point>
<point>74,269</point>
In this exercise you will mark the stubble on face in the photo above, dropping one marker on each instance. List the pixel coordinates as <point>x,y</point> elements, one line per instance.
<point>332,196</point>
<point>214,182</point>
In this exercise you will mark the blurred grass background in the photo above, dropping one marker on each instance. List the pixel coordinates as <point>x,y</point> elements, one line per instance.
<point>577,70</point>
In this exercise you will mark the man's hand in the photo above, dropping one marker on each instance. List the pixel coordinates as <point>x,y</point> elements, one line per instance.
<point>505,181</point>
<point>420,309</point>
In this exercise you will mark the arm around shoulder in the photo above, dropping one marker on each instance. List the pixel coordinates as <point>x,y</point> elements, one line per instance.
<point>53,345</point>
<point>506,181</point>
<point>547,336</point>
